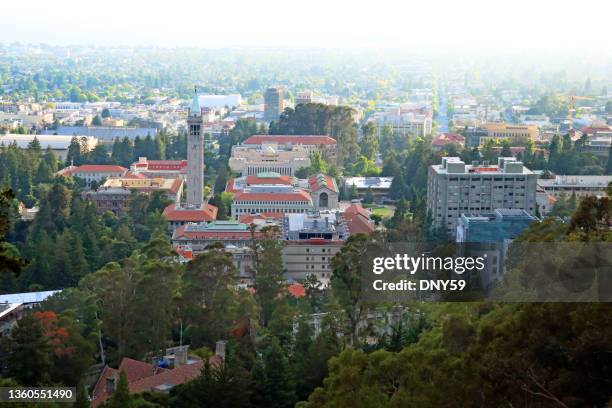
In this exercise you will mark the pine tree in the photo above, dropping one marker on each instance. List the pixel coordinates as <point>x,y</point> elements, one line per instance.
<point>27,353</point>
<point>121,397</point>
<point>278,385</point>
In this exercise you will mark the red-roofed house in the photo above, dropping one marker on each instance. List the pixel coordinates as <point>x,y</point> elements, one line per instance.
<point>93,172</point>
<point>178,215</point>
<point>444,139</point>
<point>143,377</point>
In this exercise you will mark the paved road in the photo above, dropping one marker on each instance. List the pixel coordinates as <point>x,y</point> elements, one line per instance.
<point>442,118</point>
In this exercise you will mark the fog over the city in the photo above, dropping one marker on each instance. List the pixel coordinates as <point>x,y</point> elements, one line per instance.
<point>475,25</point>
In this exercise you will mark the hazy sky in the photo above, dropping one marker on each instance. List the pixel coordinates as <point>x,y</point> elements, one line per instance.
<point>479,25</point>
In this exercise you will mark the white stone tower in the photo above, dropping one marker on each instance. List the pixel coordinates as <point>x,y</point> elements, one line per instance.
<point>195,154</point>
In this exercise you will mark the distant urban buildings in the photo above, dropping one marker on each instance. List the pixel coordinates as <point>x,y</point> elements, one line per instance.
<point>220,101</point>
<point>58,144</point>
<point>404,123</point>
<point>273,103</point>
<point>516,134</point>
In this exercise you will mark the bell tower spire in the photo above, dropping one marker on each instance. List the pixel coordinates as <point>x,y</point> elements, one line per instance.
<point>195,154</point>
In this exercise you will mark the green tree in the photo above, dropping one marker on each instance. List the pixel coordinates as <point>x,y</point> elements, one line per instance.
<point>96,121</point>
<point>121,398</point>
<point>26,353</point>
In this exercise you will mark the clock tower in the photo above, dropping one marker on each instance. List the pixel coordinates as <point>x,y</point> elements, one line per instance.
<point>195,154</point>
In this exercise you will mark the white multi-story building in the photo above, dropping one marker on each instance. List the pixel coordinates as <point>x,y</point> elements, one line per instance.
<point>454,188</point>
<point>408,123</point>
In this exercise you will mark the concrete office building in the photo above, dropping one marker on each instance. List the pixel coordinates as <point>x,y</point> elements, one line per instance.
<point>311,240</point>
<point>273,103</point>
<point>454,188</point>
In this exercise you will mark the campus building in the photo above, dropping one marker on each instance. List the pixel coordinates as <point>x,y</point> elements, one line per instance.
<point>488,236</point>
<point>454,188</point>
<point>310,241</point>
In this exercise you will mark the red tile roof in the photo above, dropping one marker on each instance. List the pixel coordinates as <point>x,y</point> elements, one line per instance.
<point>213,235</point>
<point>146,377</point>
<point>250,180</point>
<point>95,168</point>
<point>181,214</point>
<point>356,208</point>
<point>357,219</point>
<point>446,138</point>
<point>293,139</point>
<point>296,290</point>
<point>320,181</point>
<point>297,196</point>
<point>249,218</point>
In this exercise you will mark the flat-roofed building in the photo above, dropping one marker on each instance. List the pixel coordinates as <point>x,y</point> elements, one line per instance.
<point>582,186</point>
<point>488,236</point>
<point>379,186</point>
<point>454,188</point>
<point>233,235</point>
<point>405,123</point>
<point>160,168</point>
<point>310,241</point>
<point>114,194</point>
<point>273,103</point>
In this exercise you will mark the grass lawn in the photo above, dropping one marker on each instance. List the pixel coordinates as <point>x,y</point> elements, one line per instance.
<point>384,212</point>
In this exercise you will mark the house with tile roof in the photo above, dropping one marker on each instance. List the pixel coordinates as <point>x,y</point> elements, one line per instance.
<point>143,376</point>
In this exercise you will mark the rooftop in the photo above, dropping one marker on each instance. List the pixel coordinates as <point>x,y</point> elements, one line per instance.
<point>293,139</point>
